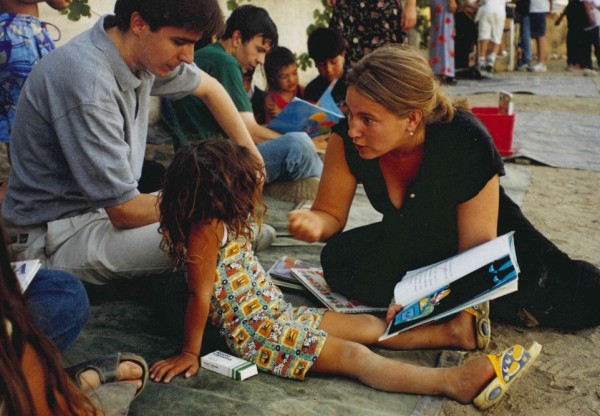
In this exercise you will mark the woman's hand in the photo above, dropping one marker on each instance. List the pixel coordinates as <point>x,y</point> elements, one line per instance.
<point>305,225</point>
<point>408,19</point>
<point>392,311</point>
<point>452,6</point>
<point>166,370</point>
<point>331,3</point>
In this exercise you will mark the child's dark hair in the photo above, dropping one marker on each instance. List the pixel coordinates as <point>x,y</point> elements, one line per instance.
<point>208,180</point>
<point>197,16</point>
<point>251,21</point>
<point>279,57</point>
<point>324,43</point>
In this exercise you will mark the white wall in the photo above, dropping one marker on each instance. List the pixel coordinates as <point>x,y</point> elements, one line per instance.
<point>292,17</point>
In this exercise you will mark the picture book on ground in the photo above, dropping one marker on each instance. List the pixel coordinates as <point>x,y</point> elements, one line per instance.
<point>314,119</point>
<point>25,271</point>
<point>314,281</point>
<point>281,272</point>
<point>482,273</point>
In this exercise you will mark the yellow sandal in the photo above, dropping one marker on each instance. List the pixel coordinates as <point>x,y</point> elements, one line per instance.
<point>509,365</point>
<point>483,327</point>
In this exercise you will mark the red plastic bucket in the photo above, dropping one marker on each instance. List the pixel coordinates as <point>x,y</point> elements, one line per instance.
<point>500,126</point>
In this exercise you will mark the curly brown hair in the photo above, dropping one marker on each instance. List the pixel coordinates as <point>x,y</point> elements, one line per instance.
<point>208,180</point>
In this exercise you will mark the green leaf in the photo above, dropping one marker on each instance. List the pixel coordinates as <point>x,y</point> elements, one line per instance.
<point>76,9</point>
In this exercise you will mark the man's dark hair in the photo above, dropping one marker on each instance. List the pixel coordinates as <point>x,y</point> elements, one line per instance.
<point>324,44</point>
<point>277,58</point>
<point>251,21</point>
<point>201,16</point>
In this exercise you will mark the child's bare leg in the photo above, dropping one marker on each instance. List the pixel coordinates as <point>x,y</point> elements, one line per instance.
<point>356,361</point>
<point>366,329</point>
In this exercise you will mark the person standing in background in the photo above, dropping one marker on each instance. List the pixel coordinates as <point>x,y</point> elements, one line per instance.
<point>533,25</point>
<point>367,25</point>
<point>441,42</point>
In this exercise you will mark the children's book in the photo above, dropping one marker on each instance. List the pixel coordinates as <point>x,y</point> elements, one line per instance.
<point>25,271</point>
<point>314,281</point>
<point>314,119</point>
<point>483,273</point>
<point>281,272</point>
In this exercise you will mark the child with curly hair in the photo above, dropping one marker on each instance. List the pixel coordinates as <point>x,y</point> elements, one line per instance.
<point>211,190</point>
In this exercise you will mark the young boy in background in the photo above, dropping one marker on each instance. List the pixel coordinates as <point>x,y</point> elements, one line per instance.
<point>327,48</point>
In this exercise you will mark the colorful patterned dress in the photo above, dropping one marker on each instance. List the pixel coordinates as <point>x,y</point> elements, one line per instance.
<point>23,41</point>
<point>367,25</point>
<point>441,42</point>
<point>257,323</point>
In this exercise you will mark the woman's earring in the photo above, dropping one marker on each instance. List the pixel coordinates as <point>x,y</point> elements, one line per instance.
<point>412,133</point>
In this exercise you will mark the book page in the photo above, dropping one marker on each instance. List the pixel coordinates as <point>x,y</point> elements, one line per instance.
<point>419,283</point>
<point>25,272</point>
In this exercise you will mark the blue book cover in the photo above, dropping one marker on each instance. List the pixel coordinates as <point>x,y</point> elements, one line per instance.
<point>314,119</point>
<point>477,275</point>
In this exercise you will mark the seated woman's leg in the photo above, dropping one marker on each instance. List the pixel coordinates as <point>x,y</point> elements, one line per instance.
<point>555,289</point>
<point>362,265</point>
<point>59,305</point>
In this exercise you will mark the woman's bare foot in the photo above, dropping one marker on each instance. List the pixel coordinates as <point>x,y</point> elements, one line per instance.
<point>128,371</point>
<point>461,331</point>
<point>468,380</point>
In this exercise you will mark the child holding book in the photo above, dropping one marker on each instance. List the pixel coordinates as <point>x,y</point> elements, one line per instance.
<point>327,48</point>
<point>283,83</point>
<point>211,190</point>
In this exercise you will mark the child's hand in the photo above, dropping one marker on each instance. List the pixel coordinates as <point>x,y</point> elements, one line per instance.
<point>305,225</point>
<point>392,311</point>
<point>166,370</point>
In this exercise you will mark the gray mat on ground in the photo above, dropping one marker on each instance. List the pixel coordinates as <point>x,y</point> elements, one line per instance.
<point>152,328</point>
<point>563,140</point>
<point>555,86</point>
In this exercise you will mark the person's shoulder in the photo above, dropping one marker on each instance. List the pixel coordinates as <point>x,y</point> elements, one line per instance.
<point>464,131</point>
<point>213,55</point>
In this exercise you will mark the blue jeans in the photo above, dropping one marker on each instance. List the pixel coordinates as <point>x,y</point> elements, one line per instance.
<point>290,157</point>
<point>525,43</point>
<point>59,306</point>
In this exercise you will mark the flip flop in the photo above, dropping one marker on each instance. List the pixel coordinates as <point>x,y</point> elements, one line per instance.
<point>509,365</point>
<point>107,368</point>
<point>483,327</point>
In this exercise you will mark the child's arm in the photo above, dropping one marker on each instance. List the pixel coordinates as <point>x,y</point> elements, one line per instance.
<point>271,109</point>
<point>203,249</point>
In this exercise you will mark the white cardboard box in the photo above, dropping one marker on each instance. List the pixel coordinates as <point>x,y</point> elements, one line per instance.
<point>228,365</point>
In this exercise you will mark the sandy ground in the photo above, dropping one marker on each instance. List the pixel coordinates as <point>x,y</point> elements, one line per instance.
<point>565,205</point>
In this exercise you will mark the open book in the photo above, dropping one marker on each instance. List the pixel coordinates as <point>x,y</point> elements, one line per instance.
<point>482,273</point>
<point>25,271</point>
<point>281,272</point>
<point>314,281</point>
<point>314,119</point>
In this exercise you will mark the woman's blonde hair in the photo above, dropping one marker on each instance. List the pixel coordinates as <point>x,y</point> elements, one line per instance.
<point>400,78</point>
